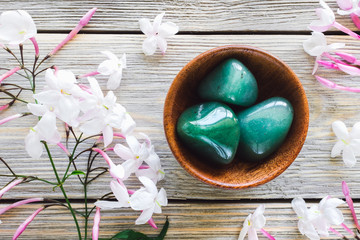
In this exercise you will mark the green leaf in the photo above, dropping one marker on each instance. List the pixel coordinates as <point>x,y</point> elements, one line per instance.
<point>163,230</point>
<point>133,235</point>
<point>76,172</point>
<point>130,235</point>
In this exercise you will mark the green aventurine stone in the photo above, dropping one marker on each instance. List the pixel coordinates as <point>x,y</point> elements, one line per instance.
<point>230,82</point>
<point>264,127</point>
<point>211,130</point>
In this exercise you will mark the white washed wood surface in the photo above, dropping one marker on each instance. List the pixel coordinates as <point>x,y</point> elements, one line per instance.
<point>187,221</point>
<point>190,15</point>
<point>143,89</point>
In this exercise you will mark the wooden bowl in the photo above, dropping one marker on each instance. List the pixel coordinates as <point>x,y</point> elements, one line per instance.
<point>274,78</point>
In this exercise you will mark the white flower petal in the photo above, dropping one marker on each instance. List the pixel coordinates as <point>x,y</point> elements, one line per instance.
<point>133,144</point>
<point>338,147</point>
<point>345,4</point>
<point>161,42</point>
<point>145,216</point>
<point>124,152</point>
<point>108,135</point>
<point>49,97</point>
<point>120,193</point>
<point>141,200</point>
<point>93,126</point>
<point>252,235</point>
<point>157,22</point>
<point>334,216</point>
<point>149,173</point>
<point>95,87</point>
<point>348,157</point>
<point>127,125</point>
<point>332,202</point>
<point>245,229</point>
<point>162,198</point>
<point>107,67</point>
<point>340,130</point>
<point>47,128</point>
<point>33,145</point>
<point>355,131</point>
<point>149,185</point>
<point>168,29</point>
<point>37,109</point>
<point>149,45</point>
<point>106,205</point>
<point>315,45</point>
<point>117,171</point>
<point>114,80</point>
<point>145,26</point>
<point>355,146</point>
<point>110,55</point>
<point>299,206</point>
<point>258,219</point>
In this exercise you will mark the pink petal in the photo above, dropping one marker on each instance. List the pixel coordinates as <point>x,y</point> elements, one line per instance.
<point>346,56</point>
<point>349,69</point>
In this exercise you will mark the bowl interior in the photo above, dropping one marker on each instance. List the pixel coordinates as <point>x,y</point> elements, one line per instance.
<point>274,78</point>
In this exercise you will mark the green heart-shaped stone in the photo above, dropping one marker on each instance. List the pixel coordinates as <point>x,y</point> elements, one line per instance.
<point>230,82</point>
<point>264,127</point>
<point>211,130</point>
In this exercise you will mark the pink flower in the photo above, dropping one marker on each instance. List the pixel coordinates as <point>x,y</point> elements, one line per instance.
<point>24,225</point>
<point>83,21</point>
<point>95,231</point>
<point>10,186</point>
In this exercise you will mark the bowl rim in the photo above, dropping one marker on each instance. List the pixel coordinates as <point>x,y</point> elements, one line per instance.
<point>170,99</point>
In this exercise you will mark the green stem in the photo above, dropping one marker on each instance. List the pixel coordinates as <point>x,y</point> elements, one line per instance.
<point>63,191</point>
<point>28,177</point>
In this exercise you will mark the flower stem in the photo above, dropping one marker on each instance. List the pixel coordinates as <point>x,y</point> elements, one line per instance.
<point>266,234</point>
<point>63,190</point>
<point>350,203</point>
<point>348,229</point>
<point>346,30</point>
<point>337,233</point>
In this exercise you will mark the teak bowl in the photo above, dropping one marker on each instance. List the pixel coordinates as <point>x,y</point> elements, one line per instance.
<point>274,78</point>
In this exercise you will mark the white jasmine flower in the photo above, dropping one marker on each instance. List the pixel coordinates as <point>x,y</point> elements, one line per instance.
<point>134,155</point>
<point>326,18</point>
<point>348,143</point>
<point>121,194</point>
<point>316,46</point>
<point>112,67</point>
<point>45,130</point>
<point>252,223</point>
<point>156,34</point>
<point>102,114</point>
<point>155,172</point>
<point>305,224</point>
<point>326,214</point>
<point>16,27</point>
<point>61,95</point>
<point>148,200</point>
<point>348,7</point>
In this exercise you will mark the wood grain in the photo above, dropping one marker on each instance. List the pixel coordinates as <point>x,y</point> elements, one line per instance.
<point>143,89</point>
<point>187,221</point>
<point>190,15</point>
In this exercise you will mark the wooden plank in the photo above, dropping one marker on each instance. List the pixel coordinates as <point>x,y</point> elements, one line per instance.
<point>194,16</point>
<point>187,221</point>
<point>145,83</point>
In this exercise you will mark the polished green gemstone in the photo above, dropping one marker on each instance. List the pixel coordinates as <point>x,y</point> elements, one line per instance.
<point>211,130</point>
<point>264,127</point>
<point>230,82</point>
